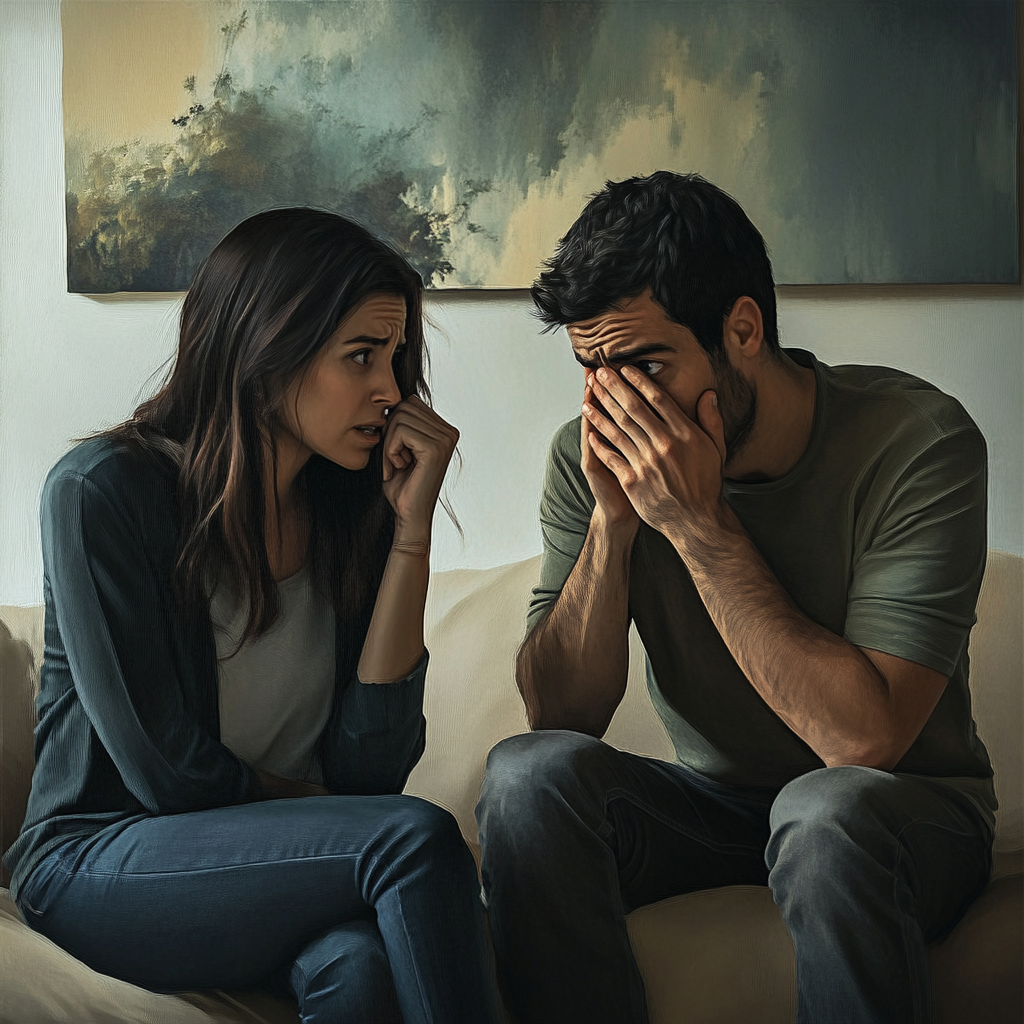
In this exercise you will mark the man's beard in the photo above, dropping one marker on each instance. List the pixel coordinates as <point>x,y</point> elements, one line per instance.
<point>737,405</point>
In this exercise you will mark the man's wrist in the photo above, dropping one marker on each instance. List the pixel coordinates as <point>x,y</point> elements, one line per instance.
<point>616,533</point>
<point>698,538</point>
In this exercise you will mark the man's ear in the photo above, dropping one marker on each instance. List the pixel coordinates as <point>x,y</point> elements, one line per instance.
<point>743,331</point>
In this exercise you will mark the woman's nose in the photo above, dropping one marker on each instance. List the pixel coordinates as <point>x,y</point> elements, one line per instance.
<point>388,392</point>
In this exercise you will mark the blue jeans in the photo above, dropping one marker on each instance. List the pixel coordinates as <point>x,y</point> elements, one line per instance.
<point>367,906</point>
<point>866,867</point>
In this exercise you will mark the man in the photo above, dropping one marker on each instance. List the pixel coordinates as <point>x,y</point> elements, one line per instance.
<point>801,548</point>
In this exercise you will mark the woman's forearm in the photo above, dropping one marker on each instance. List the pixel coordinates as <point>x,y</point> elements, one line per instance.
<point>394,641</point>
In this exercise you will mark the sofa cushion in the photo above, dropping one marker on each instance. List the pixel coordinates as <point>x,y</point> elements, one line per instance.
<point>716,955</point>
<point>725,955</point>
<point>17,720</point>
<point>474,623</point>
<point>997,688</point>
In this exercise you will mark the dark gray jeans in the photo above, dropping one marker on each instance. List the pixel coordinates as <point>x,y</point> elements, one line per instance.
<point>866,866</point>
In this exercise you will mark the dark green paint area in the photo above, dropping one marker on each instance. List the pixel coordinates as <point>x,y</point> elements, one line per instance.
<point>146,222</point>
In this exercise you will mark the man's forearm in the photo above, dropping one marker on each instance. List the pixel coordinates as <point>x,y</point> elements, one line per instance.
<point>851,705</point>
<point>572,668</point>
<point>824,688</point>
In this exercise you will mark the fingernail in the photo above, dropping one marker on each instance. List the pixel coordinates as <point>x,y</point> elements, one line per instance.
<point>602,374</point>
<point>586,408</point>
<point>714,399</point>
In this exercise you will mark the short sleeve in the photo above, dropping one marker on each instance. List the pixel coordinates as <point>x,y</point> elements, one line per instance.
<point>915,585</point>
<point>566,506</point>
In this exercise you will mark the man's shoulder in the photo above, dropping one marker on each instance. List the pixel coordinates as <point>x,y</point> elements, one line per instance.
<point>566,491</point>
<point>899,397</point>
<point>879,412</point>
<point>565,443</point>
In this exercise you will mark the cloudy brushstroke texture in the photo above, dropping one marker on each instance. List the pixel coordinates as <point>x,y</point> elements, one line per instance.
<point>868,141</point>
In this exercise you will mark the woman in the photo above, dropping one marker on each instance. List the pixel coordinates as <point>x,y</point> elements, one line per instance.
<point>231,698</point>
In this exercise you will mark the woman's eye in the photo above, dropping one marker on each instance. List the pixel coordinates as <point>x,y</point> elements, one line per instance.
<point>362,357</point>
<point>649,366</point>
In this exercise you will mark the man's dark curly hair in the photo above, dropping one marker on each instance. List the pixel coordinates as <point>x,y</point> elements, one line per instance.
<point>677,234</point>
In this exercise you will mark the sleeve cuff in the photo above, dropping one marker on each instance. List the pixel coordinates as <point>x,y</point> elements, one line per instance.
<point>379,707</point>
<point>930,639</point>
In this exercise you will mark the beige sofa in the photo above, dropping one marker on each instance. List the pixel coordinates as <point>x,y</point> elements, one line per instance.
<point>719,956</point>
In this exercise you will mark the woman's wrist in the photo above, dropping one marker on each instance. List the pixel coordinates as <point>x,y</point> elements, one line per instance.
<point>412,538</point>
<point>389,680</point>
<point>416,548</point>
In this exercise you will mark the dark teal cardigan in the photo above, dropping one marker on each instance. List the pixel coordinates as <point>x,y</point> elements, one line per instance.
<point>128,699</point>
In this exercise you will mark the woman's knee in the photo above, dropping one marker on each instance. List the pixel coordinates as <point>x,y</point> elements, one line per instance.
<point>432,831</point>
<point>344,977</point>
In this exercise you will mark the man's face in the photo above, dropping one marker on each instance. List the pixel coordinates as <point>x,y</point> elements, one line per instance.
<point>638,333</point>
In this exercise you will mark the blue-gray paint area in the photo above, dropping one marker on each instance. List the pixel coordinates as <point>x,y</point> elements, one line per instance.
<point>879,142</point>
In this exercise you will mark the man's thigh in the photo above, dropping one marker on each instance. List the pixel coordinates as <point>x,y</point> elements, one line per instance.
<point>669,830</point>
<point>674,831</point>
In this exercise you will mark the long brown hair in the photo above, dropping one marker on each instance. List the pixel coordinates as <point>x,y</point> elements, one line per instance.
<point>262,306</point>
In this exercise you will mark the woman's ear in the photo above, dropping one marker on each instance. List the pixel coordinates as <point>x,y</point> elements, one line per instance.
<point>743,331</point>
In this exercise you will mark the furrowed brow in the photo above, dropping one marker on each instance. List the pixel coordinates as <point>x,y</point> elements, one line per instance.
<point>625,356</point>
<point>589,364</point>
<point>365,339</point>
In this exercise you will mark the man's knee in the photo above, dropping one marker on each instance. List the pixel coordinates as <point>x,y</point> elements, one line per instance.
<point>827,797</point>
<point>535,771</point>
<point>827,816</point>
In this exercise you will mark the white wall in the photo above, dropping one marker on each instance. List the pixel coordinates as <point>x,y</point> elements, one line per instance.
<point>71,364</point>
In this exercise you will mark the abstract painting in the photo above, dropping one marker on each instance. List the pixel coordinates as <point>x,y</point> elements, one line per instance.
<point>869,142</point>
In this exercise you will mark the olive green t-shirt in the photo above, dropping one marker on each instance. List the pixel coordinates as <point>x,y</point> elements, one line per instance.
<point>878,533</point>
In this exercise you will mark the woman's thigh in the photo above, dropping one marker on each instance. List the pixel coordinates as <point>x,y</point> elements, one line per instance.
<point>220,898</point>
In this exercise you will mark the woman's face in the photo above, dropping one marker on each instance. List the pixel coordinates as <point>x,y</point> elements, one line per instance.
<point>337,407</point>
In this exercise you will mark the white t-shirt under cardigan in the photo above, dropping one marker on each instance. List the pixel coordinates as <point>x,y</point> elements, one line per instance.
<point>276,691</point>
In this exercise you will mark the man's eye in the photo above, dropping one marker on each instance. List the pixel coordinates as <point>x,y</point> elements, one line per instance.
<point>651,367</point>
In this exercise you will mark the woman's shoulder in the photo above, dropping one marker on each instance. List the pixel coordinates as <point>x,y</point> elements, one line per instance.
<point>119,470</point>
